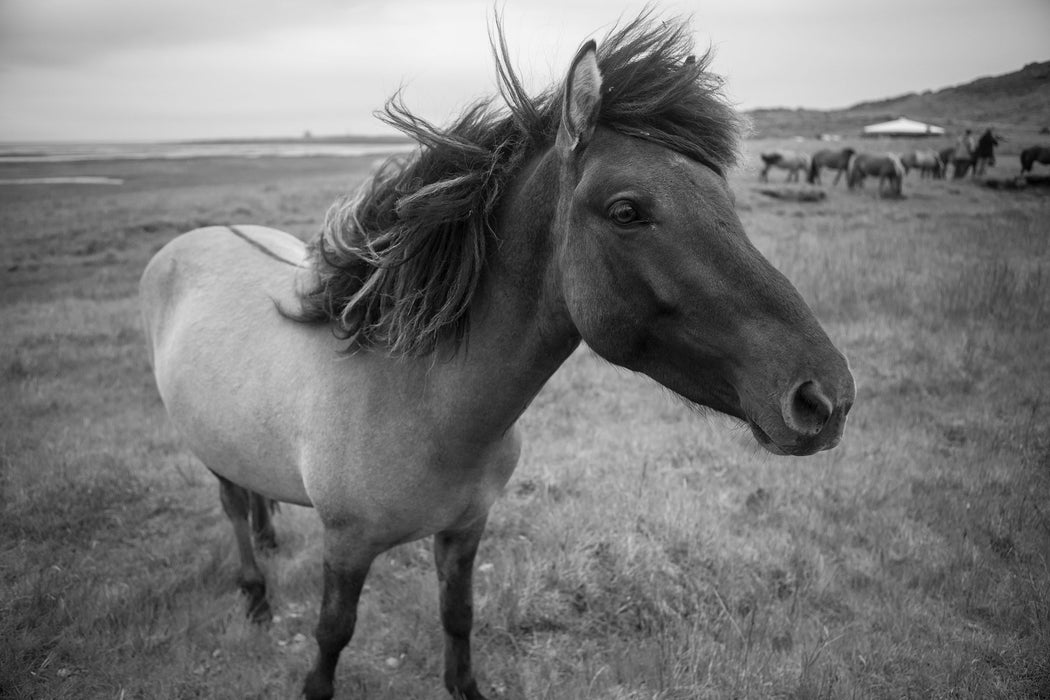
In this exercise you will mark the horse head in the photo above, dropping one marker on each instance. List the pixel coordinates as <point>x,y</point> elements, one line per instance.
<point>657,275</point>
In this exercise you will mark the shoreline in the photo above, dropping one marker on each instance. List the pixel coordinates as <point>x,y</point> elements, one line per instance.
<point>80,153</point>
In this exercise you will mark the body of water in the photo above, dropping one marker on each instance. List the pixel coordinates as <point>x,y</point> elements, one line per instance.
<point>78,152</point>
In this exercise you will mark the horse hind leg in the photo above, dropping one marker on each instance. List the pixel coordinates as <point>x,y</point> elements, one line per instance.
<point>237,504</point>
<point>262,524</point>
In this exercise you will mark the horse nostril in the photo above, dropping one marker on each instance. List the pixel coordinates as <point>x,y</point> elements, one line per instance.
<point>809,409</point>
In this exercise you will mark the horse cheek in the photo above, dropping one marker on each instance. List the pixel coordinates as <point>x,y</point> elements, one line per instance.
<point>606,317</point>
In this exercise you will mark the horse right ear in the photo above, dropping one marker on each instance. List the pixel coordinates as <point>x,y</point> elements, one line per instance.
<point>581,101</point>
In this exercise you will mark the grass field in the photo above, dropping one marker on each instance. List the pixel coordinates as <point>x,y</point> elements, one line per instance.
<point>640,551</point>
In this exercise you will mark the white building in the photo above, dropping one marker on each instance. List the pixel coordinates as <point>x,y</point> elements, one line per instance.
<point>902,127</point>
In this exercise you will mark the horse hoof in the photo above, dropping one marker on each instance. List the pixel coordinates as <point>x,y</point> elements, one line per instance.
<point>260,612</point>
<point>317,688</point>
<point>266,542</point>
<point>471,692</point>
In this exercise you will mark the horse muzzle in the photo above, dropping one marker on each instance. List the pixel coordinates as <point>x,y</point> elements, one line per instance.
<point>810,419</point>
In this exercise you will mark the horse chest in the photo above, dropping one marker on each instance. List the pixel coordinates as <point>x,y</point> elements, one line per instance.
<point>400,489</point>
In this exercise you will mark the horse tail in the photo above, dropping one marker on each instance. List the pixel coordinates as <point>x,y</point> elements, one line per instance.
<point>851,166</point>
<point>898,166</point>
<point>272,505</point>
<point>814,170</point>
<point>1027,160</point>
<point>898,172</point>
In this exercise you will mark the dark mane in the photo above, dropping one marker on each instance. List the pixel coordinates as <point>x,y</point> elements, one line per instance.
<point>399,261</point>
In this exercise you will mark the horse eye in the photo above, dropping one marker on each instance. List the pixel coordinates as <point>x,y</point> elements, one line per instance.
<point>623,212</point>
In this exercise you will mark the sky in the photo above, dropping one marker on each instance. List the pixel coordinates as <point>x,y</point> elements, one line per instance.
<point>133,70</point>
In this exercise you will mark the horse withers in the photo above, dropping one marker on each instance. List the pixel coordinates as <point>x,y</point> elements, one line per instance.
<point>379,373</point>
<point>794,162</point>
<point>885,166</point>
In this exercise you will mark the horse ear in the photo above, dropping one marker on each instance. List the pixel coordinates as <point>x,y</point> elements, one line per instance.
<point>581,101</point>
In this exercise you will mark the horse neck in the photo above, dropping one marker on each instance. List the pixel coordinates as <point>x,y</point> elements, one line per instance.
<point>520,329</point>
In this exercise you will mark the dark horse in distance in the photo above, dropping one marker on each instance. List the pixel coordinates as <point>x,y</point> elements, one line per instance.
<point>379,373</point>
<point>1032,155</point>
<point>984,152</point>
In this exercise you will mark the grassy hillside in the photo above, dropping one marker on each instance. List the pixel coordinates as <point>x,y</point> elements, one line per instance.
<point>1016,103</point>
<point>640,552</point>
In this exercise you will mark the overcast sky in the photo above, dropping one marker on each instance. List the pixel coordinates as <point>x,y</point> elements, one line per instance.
<point>175,69</point>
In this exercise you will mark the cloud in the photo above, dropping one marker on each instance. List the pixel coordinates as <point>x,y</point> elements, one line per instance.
<point>111,69</point>
<point>67,32</point>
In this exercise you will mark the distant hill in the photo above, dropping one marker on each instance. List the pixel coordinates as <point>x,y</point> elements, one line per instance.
<point>1015,102</point>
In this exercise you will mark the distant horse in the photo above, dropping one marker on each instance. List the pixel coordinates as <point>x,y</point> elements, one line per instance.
<point>947,157</point>
<point>1032,155</point>
<point>378,374</point>
<point>927,161</point>
<point>826,158</point>
<point>984,153</point>
<point>792,161</point>
<point>887,167</point>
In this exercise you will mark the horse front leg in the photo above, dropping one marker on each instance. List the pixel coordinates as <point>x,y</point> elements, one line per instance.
<point>454,558</point>
<point>346,564</point>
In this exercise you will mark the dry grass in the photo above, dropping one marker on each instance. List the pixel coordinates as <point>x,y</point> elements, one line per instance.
<point>641,551</point>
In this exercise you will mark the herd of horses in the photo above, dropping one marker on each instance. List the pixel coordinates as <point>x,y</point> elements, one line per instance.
<point>891,168</point>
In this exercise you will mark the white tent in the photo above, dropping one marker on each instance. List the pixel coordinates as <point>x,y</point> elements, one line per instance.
<point>903,127</point>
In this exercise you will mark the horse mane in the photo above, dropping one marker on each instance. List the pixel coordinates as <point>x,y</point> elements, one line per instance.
<point>399,261</point>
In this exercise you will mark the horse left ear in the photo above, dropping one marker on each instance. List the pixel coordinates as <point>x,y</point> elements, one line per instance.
<point>581,101</point>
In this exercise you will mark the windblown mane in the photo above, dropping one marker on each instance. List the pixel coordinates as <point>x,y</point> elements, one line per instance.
<point>400,260</point>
